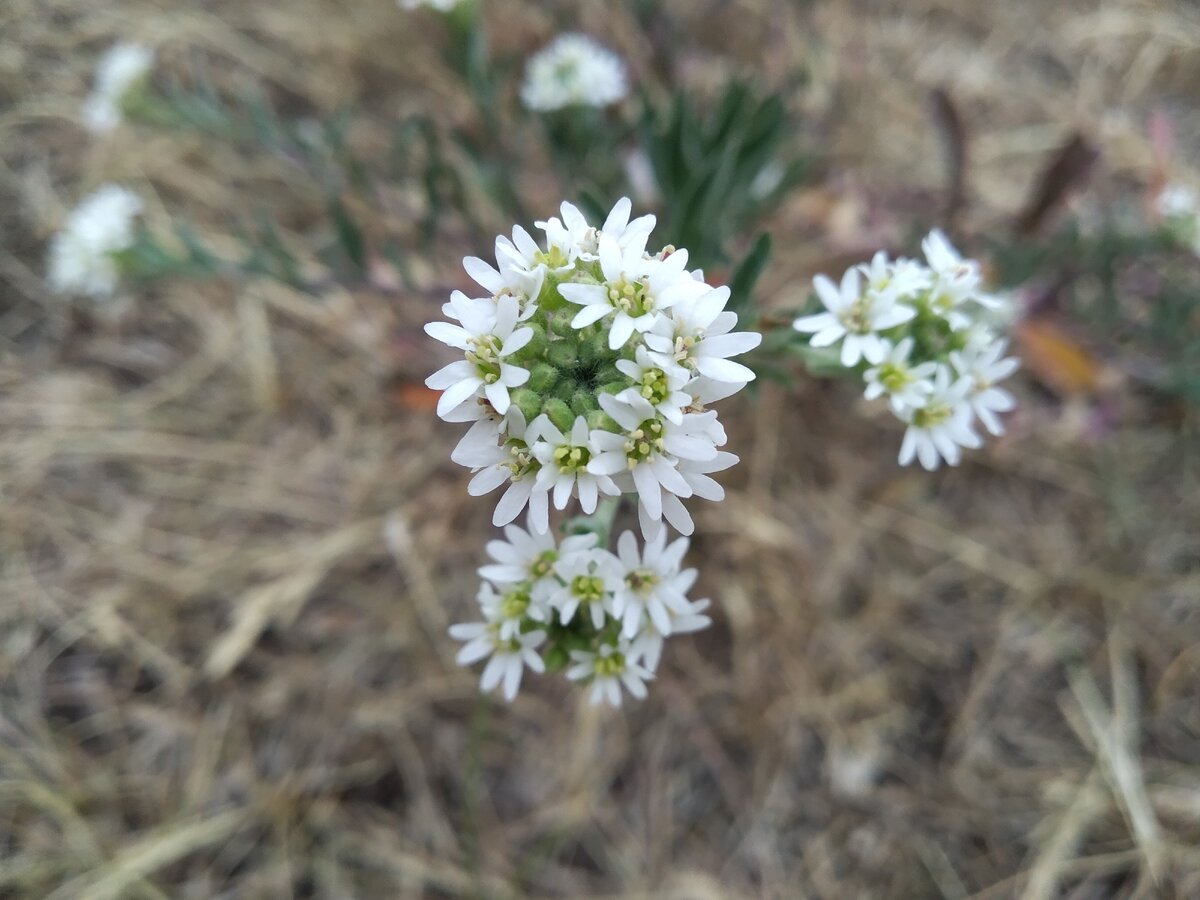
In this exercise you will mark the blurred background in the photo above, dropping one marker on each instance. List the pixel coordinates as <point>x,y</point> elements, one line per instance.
<point>232,539</point>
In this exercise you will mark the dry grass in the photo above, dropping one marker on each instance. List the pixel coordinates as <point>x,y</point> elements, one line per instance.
<point>221,675</point>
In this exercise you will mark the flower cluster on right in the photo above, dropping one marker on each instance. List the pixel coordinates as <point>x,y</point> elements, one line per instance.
<point>923,336</point>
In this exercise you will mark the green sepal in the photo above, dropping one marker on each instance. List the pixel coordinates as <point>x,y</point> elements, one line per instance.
<point>560,321</point>
<point>528,401</point>
<point>542,377</point>
<point>559,413</point>
<point>583,402</point>
<point>563,354</point>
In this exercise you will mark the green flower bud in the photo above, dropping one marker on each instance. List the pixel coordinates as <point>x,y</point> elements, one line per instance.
<point>556,658</point>
<point>563,354</point>
<point>583,402</point>
<point>542,377</point>
<point>613,387</point>
<point>608,373</point>
<point>529,402</point>
<point>536,346</point>
<point>559,413</point>
<point>598,418</point>
<point>565,389</point>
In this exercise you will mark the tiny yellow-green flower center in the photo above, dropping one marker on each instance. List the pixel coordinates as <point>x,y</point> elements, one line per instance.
<point>588,588</point>
<point>520,461</point>
<point>632,297</point>
<point>654,386</point>
<point>856,317</point>
<point>514,604</point>
<point>644,441</point>
<point>554,258</point>
<point>642,580</point>
<point>544,564</point>
<point>929,416</point>
<point>894,377</point>
<point>608,666</point>
<point>484,354</point>
<point>571,459</point>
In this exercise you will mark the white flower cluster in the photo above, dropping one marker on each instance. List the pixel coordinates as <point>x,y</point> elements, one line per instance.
<point>444,6</point>
<point>1179,207</point>
<point>573,70</point>
<point>603,617</point>
<point>121,68</point>
<point>921,336</point>
<point>587,369</point>
<point>81,258</point>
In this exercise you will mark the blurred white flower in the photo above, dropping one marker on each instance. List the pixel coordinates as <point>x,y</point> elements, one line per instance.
<point>509,656</point>
<point>983,362</point>
<point>120,69</point>
<point>573,70</point>
<point>444,6</point>
<point>941,425</point>
<point>607,670</point>
<point>906,386</point>
<point>853,317</point>
<point>654,583</point>
<point>1177,201</point>
<point>81,257</point>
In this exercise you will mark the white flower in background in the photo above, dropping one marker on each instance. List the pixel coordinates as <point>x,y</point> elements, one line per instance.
<point>905,385</point>
<point>511,608</point>
<point>530,556</point>
<point>983,362</point>
<point>697,337</point>
<point>81,257</point>
<point>509,656</point>
<point>120,69</point>
<point>443,6</point>
<point>853,317</point>
<point>653,583</point>
<point>564,460</point>
<point>895,278</point>
<point>941,426</point>
<point>487,335</point>
<point>1177,201</point>
<point>956,283</point>
<point>607,670</point>
<point>573,70</point>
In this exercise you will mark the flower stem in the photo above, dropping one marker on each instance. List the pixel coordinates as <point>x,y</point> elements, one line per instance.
<point>600,523</point>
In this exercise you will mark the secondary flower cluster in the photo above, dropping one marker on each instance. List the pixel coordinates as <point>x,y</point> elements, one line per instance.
<point>83,254</point>
<point>120,70</point>
<point>922,336</point>
<point>603,617</point>
<point>587,369</point>
<point>573,70</point>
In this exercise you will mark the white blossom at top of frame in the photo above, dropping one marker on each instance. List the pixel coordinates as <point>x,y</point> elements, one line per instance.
<point>898,279</point>
<point>442,6</point>
<point>983,362</point>
<point>635,290</point>
<point>573,70</point>
<point>122,67</point>
<point>607,670</point>
<point>509,657</point>
<point>698,336</point>
<point>529,555</point>
<point>905,385</point>
<point>564,459</point>
<point>854,318</point>
<point>488,334</point>
<point>81,258</point>
<point>941,425</point>
<point>654,582</point>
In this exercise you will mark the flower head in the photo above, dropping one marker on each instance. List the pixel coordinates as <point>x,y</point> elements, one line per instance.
<point>854,317</point>
<point>608,669</point>
<point>82,257</point>
<point>120,69</point>
<point>941,425</point>
<point>573,70</point>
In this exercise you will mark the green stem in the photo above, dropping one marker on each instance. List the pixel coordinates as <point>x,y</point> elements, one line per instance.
<point>600,523</point>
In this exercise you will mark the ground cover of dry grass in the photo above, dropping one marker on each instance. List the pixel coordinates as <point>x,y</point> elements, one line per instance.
<point>231,538</point>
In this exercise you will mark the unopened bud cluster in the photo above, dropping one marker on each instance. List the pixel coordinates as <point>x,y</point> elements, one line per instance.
<point>921,335</point>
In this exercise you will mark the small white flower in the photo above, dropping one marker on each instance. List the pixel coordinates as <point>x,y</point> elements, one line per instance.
<point>573,70</point>
<point>661,385</point>
<point>589,581</point>
<point>443,6</point>
<point>564,460</point>
<point>983,362</point>
<point>607,670</point>
<point>905,385</point>
<point>941,425</point>
<point>487,335</point>
<point>697,337</point>
<point>81,258</point>
<point>122,67</point>
<point>1177,201</point>
<point>509,656</point>
<point>635,289</point>
<point>647,647</point>
<point>854,318</point>
<point>696,475</point>
<point>530,556</point>
<point>512,608</point>
<point>512,462</point>
<point>956,282</point>
<point>653,584</point>
<point>898,279</point>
